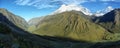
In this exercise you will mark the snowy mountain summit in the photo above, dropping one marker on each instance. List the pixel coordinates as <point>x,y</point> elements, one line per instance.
<point>64,8</point>
<point>104,11</point>
<point>84,10</point>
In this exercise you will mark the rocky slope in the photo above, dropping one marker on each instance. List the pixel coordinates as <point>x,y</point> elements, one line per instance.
<point>110,21</point>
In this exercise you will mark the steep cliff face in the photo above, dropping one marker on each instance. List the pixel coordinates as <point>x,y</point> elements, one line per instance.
<point>70,25</point>
<point>17,20</point>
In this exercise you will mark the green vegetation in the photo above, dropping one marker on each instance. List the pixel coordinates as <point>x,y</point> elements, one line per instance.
<point>17,20</point>
<point>65,30</point>
<point>70,25</point>
<point>31,28</point>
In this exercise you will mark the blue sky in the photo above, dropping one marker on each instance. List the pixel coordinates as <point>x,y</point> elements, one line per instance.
<point>35,8</point>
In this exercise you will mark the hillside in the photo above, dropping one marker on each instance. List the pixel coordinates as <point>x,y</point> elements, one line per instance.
<point>110,21</point>
<point>70,25</point>
<point>12,36</point>
<point>17,20</point>
<point>34,22</point>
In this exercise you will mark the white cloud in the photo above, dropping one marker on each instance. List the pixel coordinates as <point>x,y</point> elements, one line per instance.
<point>71,7</point>
<point>92,0</point>
<point>110,0</point>
<point>104,11</point>
<point>73,1</point>
<point>49,3</point>
<point>35,3</point>
<point>99,13</point>
<point>40,4</point>
<point>107,0</point>
<point>108,9</point>
<point>22,2</point>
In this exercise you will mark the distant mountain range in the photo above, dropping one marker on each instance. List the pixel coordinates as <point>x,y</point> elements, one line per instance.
<point>84,10</point>
<point>68,29</point>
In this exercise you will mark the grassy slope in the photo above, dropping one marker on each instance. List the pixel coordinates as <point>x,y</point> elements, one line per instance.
<point>17,20</point>
<point>11,38</point>
<point>70,25</point>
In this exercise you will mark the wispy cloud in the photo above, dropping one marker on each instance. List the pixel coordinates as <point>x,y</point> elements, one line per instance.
<point>107,0</point>
<point>22,2</point>
<point>48,3</point>
<point>110,0</point>
<point>36,3</point>
<point>40,4</point>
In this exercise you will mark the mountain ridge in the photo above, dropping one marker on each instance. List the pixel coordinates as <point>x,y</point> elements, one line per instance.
<point>17,20</point>
<point>71,7</point>
<point>110,20</point>
<point>69,24</point>
<point>12,36</point>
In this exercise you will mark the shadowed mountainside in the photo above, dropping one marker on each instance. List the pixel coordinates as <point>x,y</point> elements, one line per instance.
<point>17,20</point>
<point>110,21</point>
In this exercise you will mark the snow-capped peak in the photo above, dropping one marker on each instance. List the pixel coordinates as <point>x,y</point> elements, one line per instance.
<point>71,7</point>
<point>104,11</point>
<point>108,9</point>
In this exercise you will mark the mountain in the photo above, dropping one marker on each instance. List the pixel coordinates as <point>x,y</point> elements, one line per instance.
<point>104,11</point>
<point>12,36</point>
<point>17,20</point>
<point>34,22</point>
<point>111,21</point>
<point>71,7</point>
<point>70,25</point>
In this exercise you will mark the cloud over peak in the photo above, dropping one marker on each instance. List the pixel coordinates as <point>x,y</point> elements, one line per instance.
<point>40,4</point>
<point>71,7</point>
<point>104,11</point>
<point>65,5</point>
<point>108,9</point>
